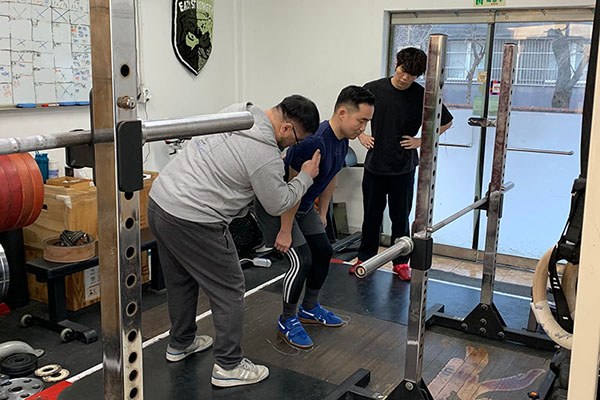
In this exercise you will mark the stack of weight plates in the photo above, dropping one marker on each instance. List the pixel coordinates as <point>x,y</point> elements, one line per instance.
<point>21,191</point>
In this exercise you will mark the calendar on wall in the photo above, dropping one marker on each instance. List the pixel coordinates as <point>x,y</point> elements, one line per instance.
<point>45,52</point>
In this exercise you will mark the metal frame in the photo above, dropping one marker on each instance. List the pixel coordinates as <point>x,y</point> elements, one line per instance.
<point>482,135</point>
<point>114,123</point>
<point>492,17</point>
<point>485,319</point>
<point>114,77</point>
<point>471,16</point>
<point>413,386</point>
<point>479,204</point>
<point>583,377</point>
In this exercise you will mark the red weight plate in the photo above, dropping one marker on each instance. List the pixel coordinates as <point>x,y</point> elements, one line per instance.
<point>26,190</point>
<point>13,181</point>
<point>4,199</point>
<point>38,187</point>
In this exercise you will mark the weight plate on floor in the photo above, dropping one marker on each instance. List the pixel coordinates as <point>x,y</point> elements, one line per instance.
<point>20,388</point>
<point>19,364</point>
<point>57,376</point>
<point>47,370</point>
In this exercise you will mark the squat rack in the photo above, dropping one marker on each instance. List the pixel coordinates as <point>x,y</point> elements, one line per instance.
<point>114,75</point>
<point>485,319</point>
<point>117,136</point>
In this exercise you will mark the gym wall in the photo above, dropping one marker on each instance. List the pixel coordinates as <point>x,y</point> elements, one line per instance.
<point>263,50</point>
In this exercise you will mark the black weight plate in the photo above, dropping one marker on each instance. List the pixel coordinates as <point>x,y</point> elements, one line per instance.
<point>19,364</point>
<point>245,233</point>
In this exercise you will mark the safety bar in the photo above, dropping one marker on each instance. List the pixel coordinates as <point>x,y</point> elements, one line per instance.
<point>471,207</point>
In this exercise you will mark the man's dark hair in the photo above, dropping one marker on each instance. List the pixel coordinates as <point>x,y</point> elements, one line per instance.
<point>354,96</point>
<point>412,60</point>
<point>302,111</point>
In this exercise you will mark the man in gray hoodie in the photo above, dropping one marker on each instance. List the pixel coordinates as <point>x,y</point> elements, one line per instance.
<point>211,182</point>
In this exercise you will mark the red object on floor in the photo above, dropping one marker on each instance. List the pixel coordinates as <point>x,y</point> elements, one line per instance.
<point>4,309</point>
<point>352,269</point>
<point>403,271</point>
<point>52,392</point>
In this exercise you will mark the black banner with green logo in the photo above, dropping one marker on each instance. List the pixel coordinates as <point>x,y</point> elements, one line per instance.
<point>192,32</point>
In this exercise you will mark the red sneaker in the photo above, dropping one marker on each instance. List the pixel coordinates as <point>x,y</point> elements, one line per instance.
<point>403,271</point>
<point>352,269</point>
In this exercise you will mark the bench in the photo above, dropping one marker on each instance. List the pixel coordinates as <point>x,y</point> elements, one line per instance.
<point>54,275</point>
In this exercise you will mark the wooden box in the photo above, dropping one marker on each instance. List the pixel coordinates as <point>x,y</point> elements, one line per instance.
<point>70,203</point>
<point>64,208</point>
<point>70,182</point>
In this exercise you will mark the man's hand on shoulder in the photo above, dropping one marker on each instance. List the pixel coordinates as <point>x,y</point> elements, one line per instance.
<point>311,167</point>
<point>410,142</point>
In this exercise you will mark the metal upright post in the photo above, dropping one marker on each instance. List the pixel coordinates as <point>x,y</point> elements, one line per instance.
<point>483,134</point>
<point>485,319</point>
<point>413,387</point>
<point>114,77</point>
<point>495,193</point>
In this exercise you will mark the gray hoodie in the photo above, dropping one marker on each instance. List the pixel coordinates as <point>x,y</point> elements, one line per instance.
<point>215,177</point>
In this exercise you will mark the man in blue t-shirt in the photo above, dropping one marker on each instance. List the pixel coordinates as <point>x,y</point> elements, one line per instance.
<point>300,232</point>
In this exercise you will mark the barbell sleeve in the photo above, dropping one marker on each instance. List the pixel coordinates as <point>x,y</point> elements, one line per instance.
<point>403,246</point>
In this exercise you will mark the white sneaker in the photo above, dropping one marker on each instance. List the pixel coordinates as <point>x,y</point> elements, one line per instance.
<point>200,343</point>
<point>246,373</point>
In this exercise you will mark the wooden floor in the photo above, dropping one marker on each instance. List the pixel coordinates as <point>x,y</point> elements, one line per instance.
<point>471,269</point>
<point>456,366</point>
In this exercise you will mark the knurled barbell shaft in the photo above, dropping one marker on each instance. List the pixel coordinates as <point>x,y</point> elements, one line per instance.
<point>153,131</point>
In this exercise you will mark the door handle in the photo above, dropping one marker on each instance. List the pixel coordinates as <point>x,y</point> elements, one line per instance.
<point>466,146</point>
<point>481,122</point>
<point>542,151</point>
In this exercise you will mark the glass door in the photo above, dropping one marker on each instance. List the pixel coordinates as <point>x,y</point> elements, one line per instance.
<point>544,127</point>
<point>545,131</point>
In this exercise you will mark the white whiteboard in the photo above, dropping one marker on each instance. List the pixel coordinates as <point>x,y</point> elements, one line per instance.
<point>45,51</point>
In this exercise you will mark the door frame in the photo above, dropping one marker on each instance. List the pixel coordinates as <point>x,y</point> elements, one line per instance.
<point>491,18</point>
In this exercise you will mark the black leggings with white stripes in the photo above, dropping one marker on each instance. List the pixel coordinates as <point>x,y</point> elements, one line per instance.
<point>308,263</point>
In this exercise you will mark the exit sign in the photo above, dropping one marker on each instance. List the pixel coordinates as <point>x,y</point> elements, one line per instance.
<point>489,3</point>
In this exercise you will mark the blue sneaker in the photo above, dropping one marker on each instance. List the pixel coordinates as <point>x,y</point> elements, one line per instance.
<point>320,316</point>
<point>292,331</point>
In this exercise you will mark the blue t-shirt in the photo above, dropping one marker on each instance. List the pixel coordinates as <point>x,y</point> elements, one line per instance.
<point>333,154</point>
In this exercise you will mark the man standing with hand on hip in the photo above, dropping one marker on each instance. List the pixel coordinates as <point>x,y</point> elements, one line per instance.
<point>389,174</point>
